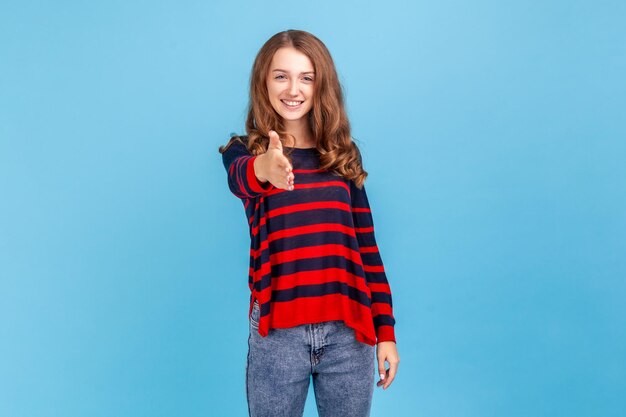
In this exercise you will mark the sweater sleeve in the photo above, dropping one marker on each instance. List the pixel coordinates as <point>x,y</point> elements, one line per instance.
<point>382,306</point>
<point>239,165</point>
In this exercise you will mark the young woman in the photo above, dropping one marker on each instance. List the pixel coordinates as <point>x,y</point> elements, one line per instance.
<point>320,300</point>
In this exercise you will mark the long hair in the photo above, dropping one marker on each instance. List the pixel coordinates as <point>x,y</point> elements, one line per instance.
<point>327,117</point>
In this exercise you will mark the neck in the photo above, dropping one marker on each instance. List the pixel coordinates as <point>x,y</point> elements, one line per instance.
<point>302,132</point>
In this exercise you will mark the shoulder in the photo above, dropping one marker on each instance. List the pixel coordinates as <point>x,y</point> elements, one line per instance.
<point>237,141</point>
<point>237,146</point>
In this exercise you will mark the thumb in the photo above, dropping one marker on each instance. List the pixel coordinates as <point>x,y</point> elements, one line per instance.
<point>275,142</point>
<point>381,367</point>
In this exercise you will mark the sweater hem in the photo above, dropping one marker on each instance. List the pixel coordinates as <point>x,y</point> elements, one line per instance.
<point>360,334</point>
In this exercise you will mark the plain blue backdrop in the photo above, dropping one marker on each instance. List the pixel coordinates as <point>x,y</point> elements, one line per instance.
<point>494,134</point>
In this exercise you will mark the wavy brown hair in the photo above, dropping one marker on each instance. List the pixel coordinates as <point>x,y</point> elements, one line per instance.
<point>329,122</point>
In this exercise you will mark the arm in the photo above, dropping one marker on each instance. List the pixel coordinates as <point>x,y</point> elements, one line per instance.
<point>242,179</point>
<point>382,306</point>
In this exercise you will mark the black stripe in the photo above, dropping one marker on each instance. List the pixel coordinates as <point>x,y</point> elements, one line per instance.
<point>384,319</point>
<point>318,290</point>
<point>381,297</point>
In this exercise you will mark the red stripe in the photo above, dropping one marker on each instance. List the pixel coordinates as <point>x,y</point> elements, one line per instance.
<point>385,333</point>
<point>369,249</point>
<point>379,287</point>
<point>313,228</point>
<point>294,208</point>
<point>333,306</point>
<point>299,186</point>
<point>374,268</point>
<point>321,276</point>
<point>318,251</point>
<point>381,308</point>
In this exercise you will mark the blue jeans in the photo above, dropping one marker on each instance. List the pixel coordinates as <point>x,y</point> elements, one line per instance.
<point>280,365</point>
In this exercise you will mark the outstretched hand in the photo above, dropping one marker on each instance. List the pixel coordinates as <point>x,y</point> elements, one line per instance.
<point>386,351</point>
<point>273,165</point>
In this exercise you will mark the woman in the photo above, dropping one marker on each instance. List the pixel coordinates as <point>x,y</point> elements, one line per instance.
<point>320,300</point>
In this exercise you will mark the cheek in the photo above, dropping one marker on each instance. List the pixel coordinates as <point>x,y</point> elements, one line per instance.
<point>272,89</point>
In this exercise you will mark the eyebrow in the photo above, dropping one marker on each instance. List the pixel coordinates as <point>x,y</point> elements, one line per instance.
<point>306,72</point>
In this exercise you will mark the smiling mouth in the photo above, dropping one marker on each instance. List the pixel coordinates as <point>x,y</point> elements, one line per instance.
<point>290,103</point>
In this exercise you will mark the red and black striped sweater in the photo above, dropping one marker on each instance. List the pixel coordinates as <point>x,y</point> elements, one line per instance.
<point>313,253</point>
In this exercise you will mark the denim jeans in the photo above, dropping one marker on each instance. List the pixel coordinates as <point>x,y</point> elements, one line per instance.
<point>279,368</point>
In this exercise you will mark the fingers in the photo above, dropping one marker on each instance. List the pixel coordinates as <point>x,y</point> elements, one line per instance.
<point>290,179</point>
<point>382,372</point>
<point>387,375</point>
<point>383,378</point>
<point>393,368</point>
<point>289,176</point>
<point>282,176</point>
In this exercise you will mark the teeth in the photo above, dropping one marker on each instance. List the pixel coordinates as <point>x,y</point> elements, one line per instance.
<point>291,103</point>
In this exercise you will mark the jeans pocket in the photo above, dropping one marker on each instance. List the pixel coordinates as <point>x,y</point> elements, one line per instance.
<point>255,314</point>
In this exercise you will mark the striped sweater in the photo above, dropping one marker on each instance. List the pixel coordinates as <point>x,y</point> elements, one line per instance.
<point>313,253</point>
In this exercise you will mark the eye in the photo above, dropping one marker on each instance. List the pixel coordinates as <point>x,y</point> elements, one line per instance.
<point>278,76</point>
<point>309,79</point>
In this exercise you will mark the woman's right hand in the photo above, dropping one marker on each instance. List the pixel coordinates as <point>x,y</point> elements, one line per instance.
<point>273,165</point>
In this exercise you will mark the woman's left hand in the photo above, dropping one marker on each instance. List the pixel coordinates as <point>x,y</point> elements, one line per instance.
<point>386,351</point>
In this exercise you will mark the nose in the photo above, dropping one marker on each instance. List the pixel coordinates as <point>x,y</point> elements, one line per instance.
<point>293,88</point>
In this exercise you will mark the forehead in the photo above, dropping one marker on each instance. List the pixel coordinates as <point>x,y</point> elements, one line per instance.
<point>290,59</point>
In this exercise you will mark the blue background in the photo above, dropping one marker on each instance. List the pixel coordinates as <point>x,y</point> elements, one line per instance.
<point>494,134</point>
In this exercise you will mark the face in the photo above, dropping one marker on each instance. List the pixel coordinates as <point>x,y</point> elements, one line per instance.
<point>290,85</point>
